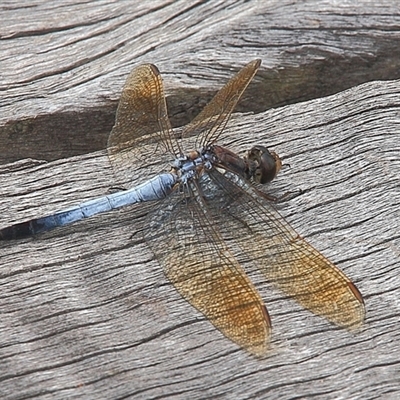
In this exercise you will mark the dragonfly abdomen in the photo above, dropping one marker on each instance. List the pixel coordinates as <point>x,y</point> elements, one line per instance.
<point>154,189</point>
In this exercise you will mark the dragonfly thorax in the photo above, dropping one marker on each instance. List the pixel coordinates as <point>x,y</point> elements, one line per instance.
<point>191,165</point>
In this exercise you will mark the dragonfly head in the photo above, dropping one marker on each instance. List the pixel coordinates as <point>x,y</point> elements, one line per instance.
<point>266,164</point>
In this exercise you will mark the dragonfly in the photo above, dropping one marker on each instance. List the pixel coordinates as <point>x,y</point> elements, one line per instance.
<point>211,211</point>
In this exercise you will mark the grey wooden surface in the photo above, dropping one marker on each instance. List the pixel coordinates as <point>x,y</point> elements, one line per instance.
<point>86,311</point>
<point>63,63</point>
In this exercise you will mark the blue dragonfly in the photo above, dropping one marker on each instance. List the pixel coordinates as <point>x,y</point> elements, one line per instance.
<point>209,207</point>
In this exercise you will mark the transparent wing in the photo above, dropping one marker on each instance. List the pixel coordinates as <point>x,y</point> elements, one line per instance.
<point>197,262</point>
<point>211,121</point>
<point>281,254</point>
<point>141,125</point>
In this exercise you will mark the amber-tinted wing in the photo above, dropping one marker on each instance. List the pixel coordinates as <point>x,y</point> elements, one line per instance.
<point>195,259</point>
<point>282,255</point>
<point>211,121</point>
<point>142,129</point>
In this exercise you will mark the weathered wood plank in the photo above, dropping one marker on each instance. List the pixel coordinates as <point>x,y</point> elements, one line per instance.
<point>63,64</point>
<point>87,312</point>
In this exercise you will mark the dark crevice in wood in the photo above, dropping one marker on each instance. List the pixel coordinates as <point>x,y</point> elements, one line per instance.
<point>54,136</point>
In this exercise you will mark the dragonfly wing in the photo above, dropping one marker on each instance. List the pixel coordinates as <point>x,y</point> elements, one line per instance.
<point>197,262</point>
<point>141,124</point>
<point>285,258</point>
<point>211,121</point>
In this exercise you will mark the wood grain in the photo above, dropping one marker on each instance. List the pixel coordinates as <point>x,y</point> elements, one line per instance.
<point>86,311</point>
<point>63,64</point>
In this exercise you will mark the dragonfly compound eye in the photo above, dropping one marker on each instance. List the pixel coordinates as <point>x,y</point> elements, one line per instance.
<point>268,164</point>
